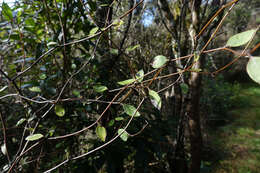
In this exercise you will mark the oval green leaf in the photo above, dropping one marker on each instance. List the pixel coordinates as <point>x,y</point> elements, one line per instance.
<point>34,137</point>
<point>124,136</point>
<point>184,88</point>
<point>126,82</point>
<point>253,69</point>
<point>101,133</point>
<point>241,38</point>
<point>35,89</point>
<point>129,49</point>
<point>140,75</point>
<point>20,121</point>
<point>7,12</point>
<point>159,61</point>
<point>131,110</point>
<point>52,43</point>
<point>93,31</point>
<point>155,99</point>
<point>59,110</point>
<point>119,118</point>
<point>100,88</point>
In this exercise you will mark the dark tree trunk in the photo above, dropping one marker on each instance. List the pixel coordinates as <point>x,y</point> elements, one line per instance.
<point>193,114</point>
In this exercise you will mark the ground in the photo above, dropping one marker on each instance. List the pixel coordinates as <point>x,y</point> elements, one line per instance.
<point>236,145</point>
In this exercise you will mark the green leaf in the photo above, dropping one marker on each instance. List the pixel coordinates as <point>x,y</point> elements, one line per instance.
<point>51,132</point>
<point>7,12</point>
<point>130,110</point>
<point>119,118</point>
<point>93,31</point>
<point>140,75</point>
<point>35,89</point>
<point>20,121</point>
<point>101,133</point>
<point>124,136</point>
<point>76,93</point>
<point>184,88</point>
<point>104,5</point>
<point>117,23</point>
<point>73,66</point>
<point>111,123</point>
<point>253,68</point>
<point>129,49</point>
<point>126,82</point>
<point>43,76</point>
<point>34,137</point>
<point>59,110</point>
<point>100,88</point>
<point>155,99</point>
<point>52,43</point>
<point>196,56</point>
<point>241,38</point>
<point>30,22</point>
<point>159,61</point>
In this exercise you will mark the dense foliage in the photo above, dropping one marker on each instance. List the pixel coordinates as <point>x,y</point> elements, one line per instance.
<point>113,86</point>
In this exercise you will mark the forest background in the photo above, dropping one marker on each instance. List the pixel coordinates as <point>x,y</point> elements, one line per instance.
<point>121,86</point>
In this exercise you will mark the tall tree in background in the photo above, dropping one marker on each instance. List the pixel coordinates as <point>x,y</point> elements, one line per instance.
<point>184,23</point>
<point>81,74</point>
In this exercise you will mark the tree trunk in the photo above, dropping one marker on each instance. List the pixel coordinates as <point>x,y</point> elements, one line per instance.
<point>193,114</point>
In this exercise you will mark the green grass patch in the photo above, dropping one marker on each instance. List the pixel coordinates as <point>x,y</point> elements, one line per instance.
<point>239,140</point>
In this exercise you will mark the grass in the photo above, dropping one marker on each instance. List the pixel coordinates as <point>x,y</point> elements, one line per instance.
<point>237,144</point>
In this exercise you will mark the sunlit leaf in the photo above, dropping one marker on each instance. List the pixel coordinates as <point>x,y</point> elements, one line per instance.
<point>35,89</point>
<point>117,23</point>
<point>30,22</point>
<point>52,43</point>
<point>3,149</point>
<point>253,68</point>
<point>43,76</point>
<point>124,136</point>
<point>59,110</point>
<point>126,82</point>
<point>159,61</point>
<point>73,66</point>
<point>155,99</point>
<point>119,118</point>
<point>129,49</point>
<point>93,31</point>
<point>241,38</point>
<point>104,5</point>
<point>131,110</point>
<point>140,75</point>
<point>51,132</point>
<point>101,133</point>
<point>20,121</point>
<point>7,12</point>
<point>100,88</point>
<point>34,137</point>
